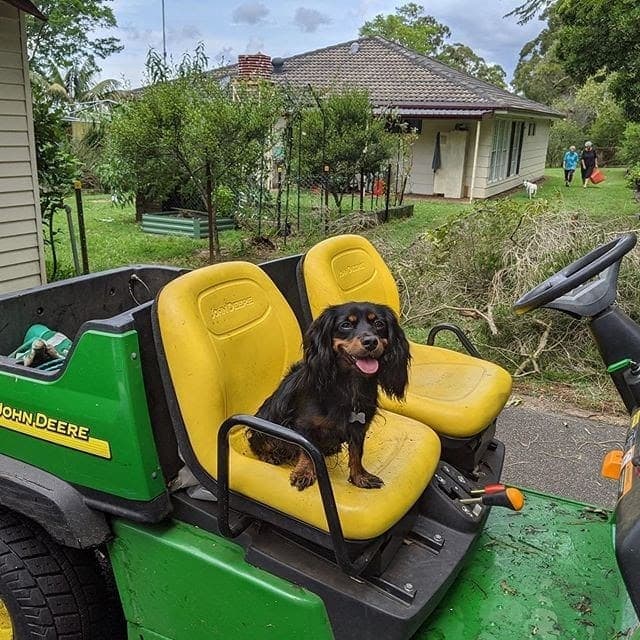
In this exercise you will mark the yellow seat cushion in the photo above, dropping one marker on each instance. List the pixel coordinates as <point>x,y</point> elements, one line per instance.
<point>456,394</point>
<point>397,449</point>
<point>229,337</point>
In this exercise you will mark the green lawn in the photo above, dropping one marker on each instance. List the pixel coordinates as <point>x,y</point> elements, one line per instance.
<point>611,198</point>
<point>114,239</point>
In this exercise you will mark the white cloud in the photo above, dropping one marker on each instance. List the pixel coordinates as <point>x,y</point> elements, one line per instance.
<point>310,19</point>
<point>250,13</point>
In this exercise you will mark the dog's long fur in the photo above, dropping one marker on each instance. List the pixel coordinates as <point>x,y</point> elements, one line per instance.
<point>531,188</point>
<point>322,395</point>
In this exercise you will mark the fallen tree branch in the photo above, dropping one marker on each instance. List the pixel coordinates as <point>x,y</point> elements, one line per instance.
<point>532,358</point>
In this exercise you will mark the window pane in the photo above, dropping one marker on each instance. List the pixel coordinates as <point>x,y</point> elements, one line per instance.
<point>515,148</point>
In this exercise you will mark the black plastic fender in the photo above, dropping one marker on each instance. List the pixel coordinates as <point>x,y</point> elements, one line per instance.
<point>54,504</point>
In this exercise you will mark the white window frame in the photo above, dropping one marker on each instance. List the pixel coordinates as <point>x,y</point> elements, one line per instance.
<point>516,147</point>
<point>506,137</point>
<point>499,151</point>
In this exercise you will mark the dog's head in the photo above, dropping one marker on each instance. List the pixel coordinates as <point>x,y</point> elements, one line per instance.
<point>361,339</point>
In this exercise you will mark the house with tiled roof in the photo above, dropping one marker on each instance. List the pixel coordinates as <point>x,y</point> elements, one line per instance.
<point>488,140</point>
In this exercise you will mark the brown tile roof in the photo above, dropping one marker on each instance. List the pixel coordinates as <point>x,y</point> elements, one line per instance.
<point>394,76</point>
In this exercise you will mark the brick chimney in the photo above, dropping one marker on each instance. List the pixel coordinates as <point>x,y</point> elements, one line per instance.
<point>254,66</point>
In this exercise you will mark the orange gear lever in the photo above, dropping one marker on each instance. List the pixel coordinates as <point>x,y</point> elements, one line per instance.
<point>508,497</point>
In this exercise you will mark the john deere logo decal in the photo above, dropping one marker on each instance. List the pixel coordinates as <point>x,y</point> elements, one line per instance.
<point>44,427</point>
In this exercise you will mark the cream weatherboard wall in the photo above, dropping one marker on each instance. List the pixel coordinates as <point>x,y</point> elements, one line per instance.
<point>532,159</point>
<point>21,249</point>
<point>532,162</point>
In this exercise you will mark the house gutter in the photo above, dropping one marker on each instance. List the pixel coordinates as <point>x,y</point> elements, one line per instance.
<point>475,160</point>
<point>28,7</point>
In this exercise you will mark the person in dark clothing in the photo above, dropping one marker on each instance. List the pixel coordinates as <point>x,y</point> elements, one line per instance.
<point>588,162</point>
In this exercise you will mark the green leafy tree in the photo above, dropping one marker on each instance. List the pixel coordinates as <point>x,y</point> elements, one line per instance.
<point>592,113</point>
<point>412,28</point>
<point>57,166</point>
<point>530,9</point>
<point>563,133</point>
<point>186,128</point>
<point>341,134</point>
<point>630,147</point>
<point>540,74</point>
<point>81,95</point>
<point>461,57</point>
<point>603,35</point>
<point>68,37</point>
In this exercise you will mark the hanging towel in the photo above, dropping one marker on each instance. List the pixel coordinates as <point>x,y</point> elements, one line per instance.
<point>436,163</point>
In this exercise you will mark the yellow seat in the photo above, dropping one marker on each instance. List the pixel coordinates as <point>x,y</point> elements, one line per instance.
<point>228,337</point>
<point>456,394</point>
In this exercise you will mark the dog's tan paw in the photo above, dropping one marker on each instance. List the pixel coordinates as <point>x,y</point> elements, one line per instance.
<point>302,478</point>
<point>367,481</point>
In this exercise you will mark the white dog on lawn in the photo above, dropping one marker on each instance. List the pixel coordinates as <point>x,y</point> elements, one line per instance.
<point>531,188</point>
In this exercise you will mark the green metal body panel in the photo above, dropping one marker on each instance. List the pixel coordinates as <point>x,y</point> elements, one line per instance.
<point>547,572</point>
<point>179,582</point>
<point>109,446</point>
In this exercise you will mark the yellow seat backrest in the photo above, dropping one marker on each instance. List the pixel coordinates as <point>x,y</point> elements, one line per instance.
<point>229,337</point>
<point>346,268</point>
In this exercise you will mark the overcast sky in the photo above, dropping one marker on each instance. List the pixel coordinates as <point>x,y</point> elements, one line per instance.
<point>286,27</point>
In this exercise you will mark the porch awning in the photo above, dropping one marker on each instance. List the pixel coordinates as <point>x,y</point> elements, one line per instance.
<point>418,112</point>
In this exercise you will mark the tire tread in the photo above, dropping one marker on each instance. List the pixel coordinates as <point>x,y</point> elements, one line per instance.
<point>60,592</point>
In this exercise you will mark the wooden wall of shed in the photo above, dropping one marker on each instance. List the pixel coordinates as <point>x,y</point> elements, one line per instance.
<point>21,248</point>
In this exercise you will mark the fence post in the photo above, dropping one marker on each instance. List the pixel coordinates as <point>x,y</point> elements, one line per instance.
<point>387,193</point>
<point>77,185</point>
<point>72,238</point>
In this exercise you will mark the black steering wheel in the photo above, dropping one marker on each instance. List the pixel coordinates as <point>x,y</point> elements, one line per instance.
<point>577,273</point>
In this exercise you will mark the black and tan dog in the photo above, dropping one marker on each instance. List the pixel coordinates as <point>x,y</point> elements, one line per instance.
<point>330,396</point>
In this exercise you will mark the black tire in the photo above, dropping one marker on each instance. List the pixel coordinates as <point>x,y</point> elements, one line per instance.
<point>54,592</point>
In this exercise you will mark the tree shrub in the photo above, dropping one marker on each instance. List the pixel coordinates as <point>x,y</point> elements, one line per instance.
<point>472,269</point>
<point>630,148</point>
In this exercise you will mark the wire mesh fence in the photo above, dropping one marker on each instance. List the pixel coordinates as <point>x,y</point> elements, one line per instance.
<point>302,185</point>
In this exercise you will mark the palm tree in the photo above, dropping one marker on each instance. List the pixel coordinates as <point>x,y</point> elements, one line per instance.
<point>77,84</point>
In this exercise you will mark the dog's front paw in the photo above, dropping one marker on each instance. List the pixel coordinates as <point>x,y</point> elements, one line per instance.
<point>302,478</point>
<point>366,481</point>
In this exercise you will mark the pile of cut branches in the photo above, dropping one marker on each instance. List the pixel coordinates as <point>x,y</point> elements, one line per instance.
<point>473,268</point>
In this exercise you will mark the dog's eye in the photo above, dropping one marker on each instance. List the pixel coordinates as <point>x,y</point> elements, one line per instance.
<point>345,326</point>
<point>379,324</point>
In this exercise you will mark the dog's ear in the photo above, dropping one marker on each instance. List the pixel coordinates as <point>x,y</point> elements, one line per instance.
<point>319,355</point>
<point>394,374</point>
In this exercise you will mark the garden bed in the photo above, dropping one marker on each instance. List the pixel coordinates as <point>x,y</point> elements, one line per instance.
<point>180,223</point>
<point>402,211</point>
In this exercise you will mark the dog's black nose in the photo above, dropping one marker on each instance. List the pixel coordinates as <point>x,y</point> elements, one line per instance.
<point>369,342</point>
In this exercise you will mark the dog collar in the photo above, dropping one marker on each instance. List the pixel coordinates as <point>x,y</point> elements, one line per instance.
<point>357,417</point>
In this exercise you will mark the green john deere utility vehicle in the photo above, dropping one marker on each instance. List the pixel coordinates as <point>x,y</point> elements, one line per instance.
<point>132,507</point>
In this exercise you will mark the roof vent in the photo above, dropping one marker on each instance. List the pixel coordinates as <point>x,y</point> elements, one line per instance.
<point>355,47</point>
<point>277,63</point>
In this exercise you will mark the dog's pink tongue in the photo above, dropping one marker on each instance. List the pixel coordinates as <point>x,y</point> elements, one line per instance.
<point>367,365</point>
